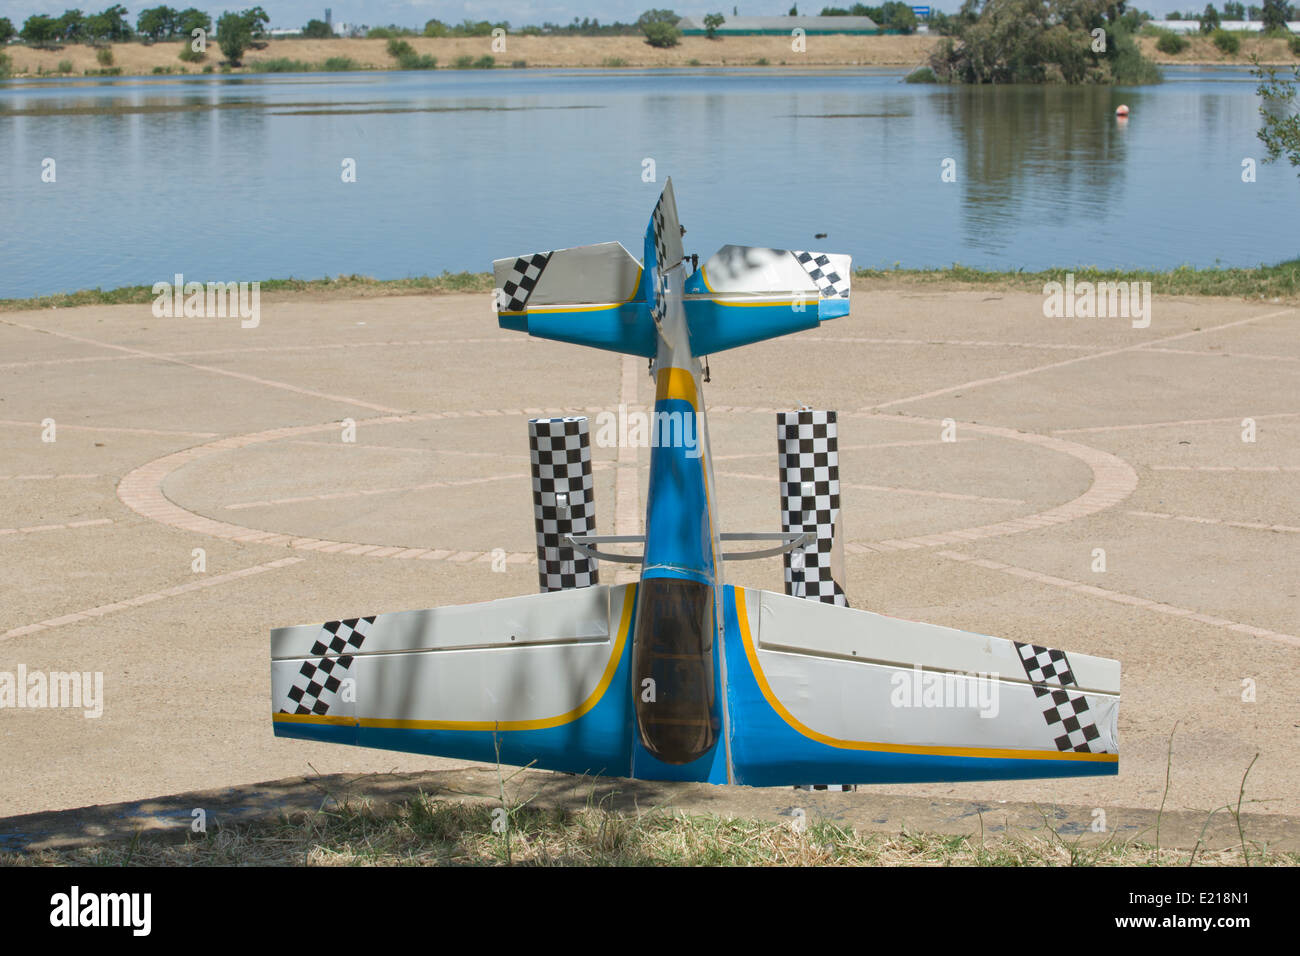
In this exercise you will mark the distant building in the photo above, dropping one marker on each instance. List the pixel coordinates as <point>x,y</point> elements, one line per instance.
<point>773,26</point>
<point>1194,26</point>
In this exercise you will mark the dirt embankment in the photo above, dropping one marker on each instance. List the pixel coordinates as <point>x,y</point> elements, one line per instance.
<point>561,51</point>
<point>558,51</point>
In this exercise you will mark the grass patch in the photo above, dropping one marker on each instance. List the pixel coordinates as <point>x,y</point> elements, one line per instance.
<point>762,61</point>
<point>1281,281</point>
<point>613,62</point>
<point>518,64</point>
<point>104,56</point>
<point>426,832</point>
<point>341,286</point>
<point>6,65</point>
<point>464,63</point>
<point>280,64</point>
<point>65,66</point>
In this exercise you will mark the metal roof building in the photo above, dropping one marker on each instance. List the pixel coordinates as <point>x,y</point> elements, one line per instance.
<point>751,26</point>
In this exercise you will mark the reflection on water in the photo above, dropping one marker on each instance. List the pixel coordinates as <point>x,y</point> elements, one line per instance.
<point>233,178</point>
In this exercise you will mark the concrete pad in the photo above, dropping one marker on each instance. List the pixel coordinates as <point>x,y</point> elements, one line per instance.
<point>1072,435</point>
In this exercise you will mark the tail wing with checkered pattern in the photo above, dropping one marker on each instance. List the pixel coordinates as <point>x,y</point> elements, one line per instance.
<point>587,295</point>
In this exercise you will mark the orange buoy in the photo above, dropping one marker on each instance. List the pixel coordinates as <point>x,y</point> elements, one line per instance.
<point>1121,110</point>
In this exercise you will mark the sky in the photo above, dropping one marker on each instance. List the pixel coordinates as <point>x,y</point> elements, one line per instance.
<point>414,13</point>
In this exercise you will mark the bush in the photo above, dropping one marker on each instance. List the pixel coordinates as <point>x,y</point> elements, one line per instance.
<point>414,61</point>
<point>105,56</point>
<point>6,64</point>
<point>65,66</point>
<point>1295,45</point>
<point>399,48</point>
<point>1171,43</point>
<point>208,68</point>
<point>485,63</point>
<point>464,62</point>
<point>921,75</point>
<point>660,34</point>
<point>518,65</point>
<point>340,64</point>
<point>1226,42</point>
<point>613,62</point>
<point>190,55</point>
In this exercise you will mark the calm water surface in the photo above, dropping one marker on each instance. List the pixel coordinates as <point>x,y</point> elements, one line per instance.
<point>228,178</point>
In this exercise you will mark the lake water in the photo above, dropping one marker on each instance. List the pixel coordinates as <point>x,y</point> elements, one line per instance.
<point>239,177</point>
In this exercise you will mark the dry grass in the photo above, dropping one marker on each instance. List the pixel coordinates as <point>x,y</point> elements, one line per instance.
<point>432,832</point>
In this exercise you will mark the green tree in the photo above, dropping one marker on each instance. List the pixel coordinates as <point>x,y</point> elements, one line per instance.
<point>901,18</point>
<point>191,19</point>
<point>1280,133</point>
<point>40,30</point>
<point>157,23</point>
<point>1234,11</point>
<point>72,26</point>
<point>436,28</point>
<point>237,31</point>
<point>317,30</point>
<point>660,27</point>
<point>1274,16</point>
<point>7,31</point>
<point>711,23</point>
<point>108,26</point>
<point>1209,19</point>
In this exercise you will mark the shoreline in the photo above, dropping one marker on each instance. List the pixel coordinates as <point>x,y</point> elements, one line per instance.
<point>139,60</point>
<point>1280,282</point>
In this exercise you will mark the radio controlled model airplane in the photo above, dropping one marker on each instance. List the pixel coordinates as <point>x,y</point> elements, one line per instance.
<point>682,676</point>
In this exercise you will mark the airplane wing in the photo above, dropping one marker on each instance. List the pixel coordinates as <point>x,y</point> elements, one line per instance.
<point>538,679</point>
<point>825,693</point>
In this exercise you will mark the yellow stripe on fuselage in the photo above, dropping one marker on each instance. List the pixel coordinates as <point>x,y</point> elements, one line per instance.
<point>751,652</point>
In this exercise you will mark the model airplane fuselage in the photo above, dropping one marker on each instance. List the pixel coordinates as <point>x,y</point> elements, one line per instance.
<point>682,676</point>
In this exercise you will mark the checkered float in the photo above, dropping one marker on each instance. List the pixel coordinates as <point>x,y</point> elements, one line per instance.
<point>316,687</point>
<point>809,460</point>
<point>563,504</point>
<point>1067,714</point>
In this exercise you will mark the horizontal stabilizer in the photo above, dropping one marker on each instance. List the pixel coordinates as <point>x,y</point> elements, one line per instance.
<point>746,294</point>
<point>587,295</point>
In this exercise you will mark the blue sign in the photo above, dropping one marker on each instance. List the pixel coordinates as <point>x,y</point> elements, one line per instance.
<point>921,11</point>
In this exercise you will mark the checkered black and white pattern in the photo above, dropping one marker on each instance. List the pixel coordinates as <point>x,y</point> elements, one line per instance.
<point>523,279</point>
<point>560,451</point>
<point>659,309</point>
<point>831,787</point>
<point>818,266</point>
<point>809,461</point>
<point>316,687</point>
<point>657,217</point>
<point>1067,714</point>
